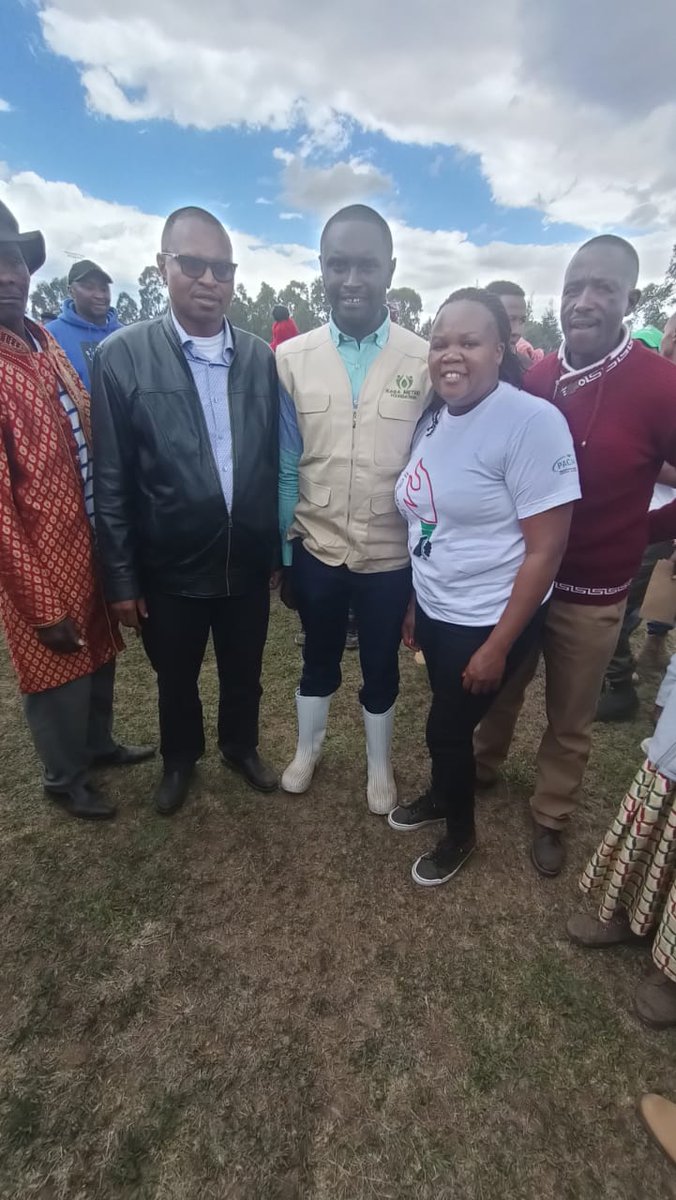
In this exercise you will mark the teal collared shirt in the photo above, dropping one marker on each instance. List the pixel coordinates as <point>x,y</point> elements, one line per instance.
<point>359,357</point>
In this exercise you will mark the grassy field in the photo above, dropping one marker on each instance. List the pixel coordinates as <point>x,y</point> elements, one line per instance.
<point>252,1001</point>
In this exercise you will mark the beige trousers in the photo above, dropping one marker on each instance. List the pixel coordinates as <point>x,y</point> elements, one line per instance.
<point>578,643</point>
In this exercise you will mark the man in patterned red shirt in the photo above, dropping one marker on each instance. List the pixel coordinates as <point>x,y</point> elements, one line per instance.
<point>60,637</point>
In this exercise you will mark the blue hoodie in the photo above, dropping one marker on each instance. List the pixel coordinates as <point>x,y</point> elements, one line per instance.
<point>79,338</point>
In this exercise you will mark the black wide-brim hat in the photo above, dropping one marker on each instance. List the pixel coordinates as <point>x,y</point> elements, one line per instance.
<point>31,245</point>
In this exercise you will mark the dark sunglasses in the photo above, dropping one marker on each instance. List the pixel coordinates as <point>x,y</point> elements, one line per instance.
<point>194,268</point>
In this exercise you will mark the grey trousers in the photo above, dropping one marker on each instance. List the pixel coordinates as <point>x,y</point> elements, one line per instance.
<point>72,725</point>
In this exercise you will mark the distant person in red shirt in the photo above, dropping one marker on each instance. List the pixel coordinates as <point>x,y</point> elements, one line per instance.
<point>283,326</point>
<point>619,399</point>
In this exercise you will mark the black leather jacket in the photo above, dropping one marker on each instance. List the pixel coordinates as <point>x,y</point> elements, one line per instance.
<point>161,518</point>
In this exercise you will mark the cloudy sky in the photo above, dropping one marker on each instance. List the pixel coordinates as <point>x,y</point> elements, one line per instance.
<point>494,136</point>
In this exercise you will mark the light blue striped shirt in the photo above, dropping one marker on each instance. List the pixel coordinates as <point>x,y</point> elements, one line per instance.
<point>209,363</point>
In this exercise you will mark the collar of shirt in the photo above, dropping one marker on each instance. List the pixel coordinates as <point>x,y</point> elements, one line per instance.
<point>379,337</point>
<point>187,340</point>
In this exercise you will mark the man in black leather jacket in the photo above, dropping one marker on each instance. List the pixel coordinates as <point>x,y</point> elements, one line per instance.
<point>185,420</point>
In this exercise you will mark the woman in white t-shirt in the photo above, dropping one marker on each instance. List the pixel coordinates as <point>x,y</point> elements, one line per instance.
<point>487,495</point>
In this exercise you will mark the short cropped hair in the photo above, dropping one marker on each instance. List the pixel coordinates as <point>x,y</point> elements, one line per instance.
<point>192,212</point>
<point>505,287</point>
<point>360,212</point>
<point>623,246</point>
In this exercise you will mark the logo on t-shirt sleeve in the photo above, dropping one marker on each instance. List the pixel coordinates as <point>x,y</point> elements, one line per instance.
<point>419,498</point>
<point>566,465</point>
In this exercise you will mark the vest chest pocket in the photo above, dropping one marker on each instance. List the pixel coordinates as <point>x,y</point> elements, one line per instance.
<point>313,411</point>
<point>395,426</point>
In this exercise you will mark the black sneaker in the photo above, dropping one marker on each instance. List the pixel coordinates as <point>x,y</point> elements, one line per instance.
<point>442,863</point>
<point>423,811</point>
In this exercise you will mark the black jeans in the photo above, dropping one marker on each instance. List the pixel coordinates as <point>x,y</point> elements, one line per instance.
<point>455,713</point>
<point>324,596</point>
<point>175,637</point>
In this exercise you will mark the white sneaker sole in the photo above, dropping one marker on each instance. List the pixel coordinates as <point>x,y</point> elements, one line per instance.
<point>412,828</point>
<point>438,882</point>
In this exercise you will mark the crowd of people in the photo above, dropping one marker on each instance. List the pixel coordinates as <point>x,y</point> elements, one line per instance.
<point>484,502</point>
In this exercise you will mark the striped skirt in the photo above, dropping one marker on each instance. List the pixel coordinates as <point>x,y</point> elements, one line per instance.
<point>634,868</point>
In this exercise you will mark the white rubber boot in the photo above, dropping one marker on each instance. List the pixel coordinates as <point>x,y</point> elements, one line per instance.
<point>381,791</point>
<point>313,715</point>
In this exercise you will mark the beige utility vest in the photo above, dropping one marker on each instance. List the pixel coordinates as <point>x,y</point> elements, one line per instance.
<point>353,456</point>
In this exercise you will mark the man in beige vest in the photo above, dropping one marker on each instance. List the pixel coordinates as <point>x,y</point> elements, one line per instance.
<point>353,392</point>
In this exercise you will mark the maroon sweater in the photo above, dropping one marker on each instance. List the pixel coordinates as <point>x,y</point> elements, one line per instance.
<point>622,415</point>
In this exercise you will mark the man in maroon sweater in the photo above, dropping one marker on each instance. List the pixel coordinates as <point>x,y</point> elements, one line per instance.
<point>619,399</point>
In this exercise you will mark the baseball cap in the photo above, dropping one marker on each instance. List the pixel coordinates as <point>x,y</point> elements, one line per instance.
<point>80,270</point>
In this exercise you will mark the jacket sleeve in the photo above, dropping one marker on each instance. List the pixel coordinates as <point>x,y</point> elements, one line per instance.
<point>22,575</point>
<point>290,450</point>
<point>113,447</point>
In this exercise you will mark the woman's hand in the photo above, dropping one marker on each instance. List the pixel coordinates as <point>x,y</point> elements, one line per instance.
<point>485,669</point>
<point>408,628</point>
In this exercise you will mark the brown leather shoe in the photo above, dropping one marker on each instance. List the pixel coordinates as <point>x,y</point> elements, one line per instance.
<point>655,1001</point>
<point>585,930</point>
<point>547,852</point>
<point>257,773</point>
<point>659,1117</point>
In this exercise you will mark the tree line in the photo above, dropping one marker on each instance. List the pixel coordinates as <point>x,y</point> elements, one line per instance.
<point>307,304</point>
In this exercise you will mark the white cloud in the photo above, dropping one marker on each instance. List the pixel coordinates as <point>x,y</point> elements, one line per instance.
<point>5,106</point>
<point>124,240</point>
<point>290,216</point>
<point>263,200</point>
<point>324,189</point>
<point>579,124</point>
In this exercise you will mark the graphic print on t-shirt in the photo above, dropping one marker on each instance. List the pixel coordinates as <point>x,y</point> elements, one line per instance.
<point>419,497</point>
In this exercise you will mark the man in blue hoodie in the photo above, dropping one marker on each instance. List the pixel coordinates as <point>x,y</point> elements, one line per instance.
<point>86,317</point>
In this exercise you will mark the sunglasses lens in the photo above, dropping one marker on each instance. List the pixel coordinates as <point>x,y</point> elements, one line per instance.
<point>194,268</point>
<point>223,271</point>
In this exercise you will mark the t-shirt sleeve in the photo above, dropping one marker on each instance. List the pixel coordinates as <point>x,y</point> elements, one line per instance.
<point>541,468</point>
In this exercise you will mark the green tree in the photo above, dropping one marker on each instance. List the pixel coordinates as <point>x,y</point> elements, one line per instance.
<point>410,307</point>
<point>298,299</point>
<point>48,296</point>
<point>544,334</point>
<point>127,309</point>
<point>240,308</point>
<point>318,300</point>
<point>152,293</point>
<point>261,312</point>
<point>658,300</point>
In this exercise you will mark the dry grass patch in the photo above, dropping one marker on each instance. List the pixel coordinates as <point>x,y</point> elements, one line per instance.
<point>252,1001</point>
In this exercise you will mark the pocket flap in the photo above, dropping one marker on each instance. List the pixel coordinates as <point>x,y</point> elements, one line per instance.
<point>396,408</point>
<point>383,503</point>
<point>312,402</point>
<point>314,493</point>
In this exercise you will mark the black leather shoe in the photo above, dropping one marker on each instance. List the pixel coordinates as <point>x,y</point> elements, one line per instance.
<point>125,756</point>
<point>173,788</point>
<point>83,801</point>
<point>256,772</point>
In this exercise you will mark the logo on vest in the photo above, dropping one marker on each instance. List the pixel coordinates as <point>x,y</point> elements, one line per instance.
<point>403,388</point>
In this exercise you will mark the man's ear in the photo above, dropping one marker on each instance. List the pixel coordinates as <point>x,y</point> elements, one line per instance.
<point>393,268</point>
<point>634,297</point>
<point>162,266</point>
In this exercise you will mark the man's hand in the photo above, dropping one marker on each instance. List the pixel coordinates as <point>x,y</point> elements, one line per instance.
<point>485,670</point>
<point>286,593</point>
<point>63,638</point>
<point>130,613</point>
<point>276,579</point>
<point>408,628</point>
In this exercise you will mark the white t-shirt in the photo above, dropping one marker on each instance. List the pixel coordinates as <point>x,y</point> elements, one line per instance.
<point>662,494</point>
<point>469,481</point>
